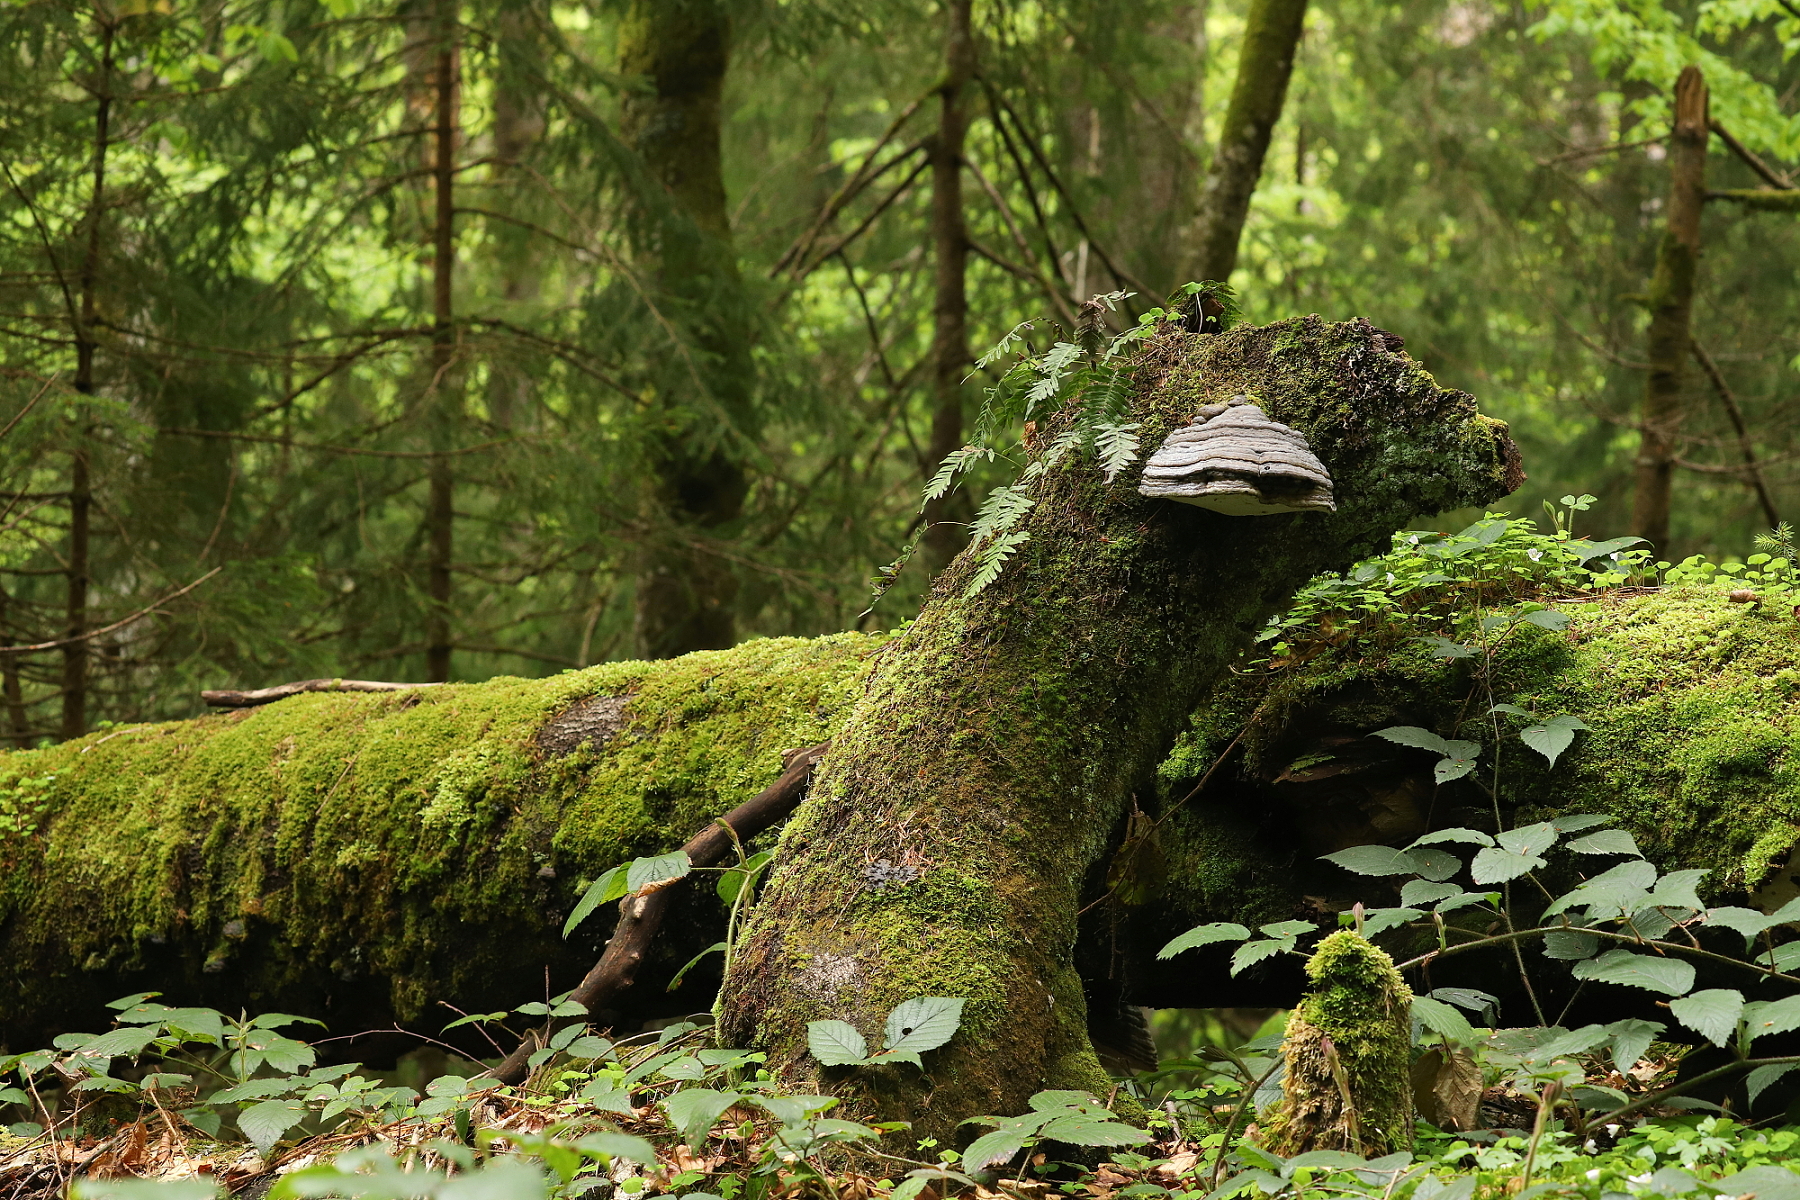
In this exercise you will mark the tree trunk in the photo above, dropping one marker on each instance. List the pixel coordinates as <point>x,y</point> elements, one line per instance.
<point>997,747</point>
<point>443,389</point>
<point>1671,302</point>
<point>1271,37</point>
<point>678,53</point>
<point>75,651</point>
<point>950,359</point>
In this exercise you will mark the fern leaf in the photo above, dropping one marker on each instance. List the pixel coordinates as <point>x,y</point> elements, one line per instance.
<point>1015,335</point>
<point>992,560</point>
<point>1005,507</point>
<point>1050,369</point>
<point>1118,447</point>
<point>954,463</point>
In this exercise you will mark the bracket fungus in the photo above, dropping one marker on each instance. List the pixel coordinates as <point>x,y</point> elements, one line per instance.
<point>1232,458</point>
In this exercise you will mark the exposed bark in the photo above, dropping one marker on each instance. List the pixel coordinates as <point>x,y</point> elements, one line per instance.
<point>443,389</point>
<point>641,915</point>
<point>1671,301</point>
<point>997,746</point>
<point>676,56</point>
<point>1266,61</point>
<point>950,259</point>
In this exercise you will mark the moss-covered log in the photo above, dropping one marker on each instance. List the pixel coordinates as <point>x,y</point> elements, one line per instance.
<point>359,858</point>
<point>993,755</point>
<point>1693,704</point>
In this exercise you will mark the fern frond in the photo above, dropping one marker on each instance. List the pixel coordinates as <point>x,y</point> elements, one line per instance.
<point>1117,446</point>
<point>1050,369</point>
<point>954,464</point>
<point>992,560</point>
<point>1005,507</point>
<point>999,348</point>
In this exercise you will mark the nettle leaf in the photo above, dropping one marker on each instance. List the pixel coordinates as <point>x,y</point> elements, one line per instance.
<point>1584,550</point>
<point>1746,921</point>
<point>1459,759</point>
<point>264,1123</point>
<point>1570,945</point>
<point>695,1111</point>
<point>1381,920</point>
<point>1545,619</point>
<point>1471,837</point>
<point>1607,841</point>
<point>1552,737</point>
<point>1611,891</point>
<point>1495,865</point>
<point>836,1043</point>
<point>1676,890</point>
<point>1529,839</point>
<point>1287,929</point>
<point>994,1149</point>
<point>1567,1043</point>
<point>1466,899</point>
<point>1434,864</point>
<point>1412,735</point>
<point>1079,1130</point>
<point>1713,1013</point>
<point>1576,822</point>
<point>1759,1080</point>
<point>1251,953</point>
<point>1426,891</point>
<point>923,1024</point>
<point>1375,860</point>
<point>1630,1039</point>
<point>1665,975</point>
<point>1204,935</point>
<point>1763,1017</point>
<point>1444,647</point>
<point>663,867</point>
<point>607,888</point>
<point>1443,1019</point>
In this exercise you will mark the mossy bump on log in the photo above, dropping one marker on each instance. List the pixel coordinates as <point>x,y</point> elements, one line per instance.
<point>1348,1049</point>
<point>361,857</point>
<point>1692,702</point>
<point>997,745</point>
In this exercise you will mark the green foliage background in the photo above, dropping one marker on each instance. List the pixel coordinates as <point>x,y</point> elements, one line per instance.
<point>264,399</point>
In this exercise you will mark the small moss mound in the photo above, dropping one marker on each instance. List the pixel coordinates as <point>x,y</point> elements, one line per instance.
<point>1348,1048</point>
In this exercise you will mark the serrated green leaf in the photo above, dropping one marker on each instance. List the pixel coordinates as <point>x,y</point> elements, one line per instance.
<point>1552,737</point>
<point>1204,935</point>
<point>1472,837</point>
<point>1607,841</point>
<point>1531,840</point>
<point>609,887</point>
<point>1426,891</point>
<point>1763,1017</point>
<point>1665,975</point>
<point>1434,864</point>
<point>1443,1019</point>
<point>661,868</point>
<point>1495,865</point>
<point>1251,953</point>
<point>836,1043</point>
<point>1412,735</point>
<point>1759,1081</point>
<point>1576,822</point>
<point>1571,945</point>
<point>1375,860</point>
<point>1380,920</point>
<point>922,1024</point>
<point>1630,1039</point>
<point>1746,921</point>
<point>264,1123</point>
<point>695,1111</point>
<point>1676,890</point>
<point>1713,1013</point>
<point>994,1149</point>
<point>1546,619</point>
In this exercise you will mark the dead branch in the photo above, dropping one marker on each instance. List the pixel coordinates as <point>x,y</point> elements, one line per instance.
<point>1752,470</point>
<point>1769,175</point>
<point>281,691</point>
<point>641,915</point>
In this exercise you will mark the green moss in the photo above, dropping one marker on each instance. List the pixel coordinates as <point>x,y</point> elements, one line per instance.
<point>1348,1049</point>
<point>294,854</point>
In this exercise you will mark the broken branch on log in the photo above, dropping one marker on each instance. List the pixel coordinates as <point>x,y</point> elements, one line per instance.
<point>281,691</point>
<point>641,914</point>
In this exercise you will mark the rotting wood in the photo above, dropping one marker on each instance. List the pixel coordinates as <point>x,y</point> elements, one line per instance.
<point>225,698</point>
<point>641,914</point>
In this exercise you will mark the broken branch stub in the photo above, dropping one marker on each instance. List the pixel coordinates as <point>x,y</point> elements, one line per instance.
<point>1234,459</point>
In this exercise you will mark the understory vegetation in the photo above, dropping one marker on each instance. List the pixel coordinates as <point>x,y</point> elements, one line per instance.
<point>1684,1097</point>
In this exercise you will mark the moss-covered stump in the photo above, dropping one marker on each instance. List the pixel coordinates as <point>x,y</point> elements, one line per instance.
<point>1347,1052</point>
<point>1693,706</point>
<point>987,768</point>
<point>359,858</point>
